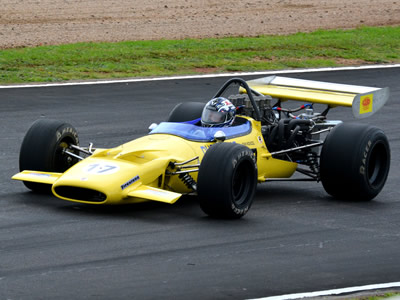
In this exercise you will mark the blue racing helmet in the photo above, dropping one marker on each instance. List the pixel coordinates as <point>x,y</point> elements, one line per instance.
<point>218,112</point>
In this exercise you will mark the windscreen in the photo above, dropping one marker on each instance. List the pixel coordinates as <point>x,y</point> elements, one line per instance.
<point>198,133</point>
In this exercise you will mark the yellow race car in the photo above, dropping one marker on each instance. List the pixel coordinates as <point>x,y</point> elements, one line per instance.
<point>222,165</point>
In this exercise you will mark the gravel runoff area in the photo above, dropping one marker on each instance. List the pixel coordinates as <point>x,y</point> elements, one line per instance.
<point>43,22</point>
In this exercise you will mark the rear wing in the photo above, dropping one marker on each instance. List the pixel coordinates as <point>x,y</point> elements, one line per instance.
<point>365,101</point>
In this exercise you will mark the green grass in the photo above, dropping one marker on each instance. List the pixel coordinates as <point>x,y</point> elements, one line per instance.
<point>379,296</point>
<point>365,45</point>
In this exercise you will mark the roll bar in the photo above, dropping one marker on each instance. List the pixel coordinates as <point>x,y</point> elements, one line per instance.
<point>249,92</point>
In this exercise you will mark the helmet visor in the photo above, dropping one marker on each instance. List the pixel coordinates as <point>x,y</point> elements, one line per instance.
<point>210,116</point>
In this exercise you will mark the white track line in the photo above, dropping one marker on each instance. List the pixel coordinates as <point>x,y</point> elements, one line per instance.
<point>335,292</point>
<point>131,80</point>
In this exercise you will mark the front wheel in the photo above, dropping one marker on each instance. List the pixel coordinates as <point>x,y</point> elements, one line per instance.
<point>43,149</point>
<point>227,180</point>
<point>355,161</point>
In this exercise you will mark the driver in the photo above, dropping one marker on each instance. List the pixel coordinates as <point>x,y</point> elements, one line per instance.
<point>218,112</point>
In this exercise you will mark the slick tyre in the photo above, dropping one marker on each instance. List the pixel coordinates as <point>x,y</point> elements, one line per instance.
<point>227,181</point>
<point>43,149</point>
<point>187,111</point>
<point>355,161</point>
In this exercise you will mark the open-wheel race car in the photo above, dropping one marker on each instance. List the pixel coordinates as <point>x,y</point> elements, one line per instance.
<point>222,165</point>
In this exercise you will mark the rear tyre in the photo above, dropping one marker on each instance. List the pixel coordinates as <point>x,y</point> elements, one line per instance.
<point>187,111</point>
<point>355,162</point>
<point>43,149</point>
<point>227,181</point>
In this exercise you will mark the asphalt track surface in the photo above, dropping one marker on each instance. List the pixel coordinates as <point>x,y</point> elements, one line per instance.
<point>294,239</point>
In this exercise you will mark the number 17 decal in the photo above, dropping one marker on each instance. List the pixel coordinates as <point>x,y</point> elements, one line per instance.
<point>101,168</point>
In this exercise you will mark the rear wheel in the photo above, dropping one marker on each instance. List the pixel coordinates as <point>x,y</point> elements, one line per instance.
<point>227,180</point>
<point>187,111</point>
<point>43,149</point>
<point>355,162</point>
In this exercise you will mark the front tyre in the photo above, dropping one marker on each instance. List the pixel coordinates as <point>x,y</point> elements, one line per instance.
<point>355,161</point>
<point>43,149</point>
<point>227,180</point>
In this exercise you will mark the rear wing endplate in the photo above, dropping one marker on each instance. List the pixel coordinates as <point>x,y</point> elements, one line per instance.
<point>365,101</point>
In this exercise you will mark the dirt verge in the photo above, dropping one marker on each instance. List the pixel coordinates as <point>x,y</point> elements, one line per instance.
<point>37,22</point>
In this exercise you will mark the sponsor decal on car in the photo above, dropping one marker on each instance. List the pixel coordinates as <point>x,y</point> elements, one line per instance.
<point>205,148</point>
<point>366,103</point>
<point>39,174</point>
<point>130,182</point>
<point>251,143</point>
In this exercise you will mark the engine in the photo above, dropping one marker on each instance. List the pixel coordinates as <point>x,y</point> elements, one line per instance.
<point>284,131</point>
<point>264,104</point>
